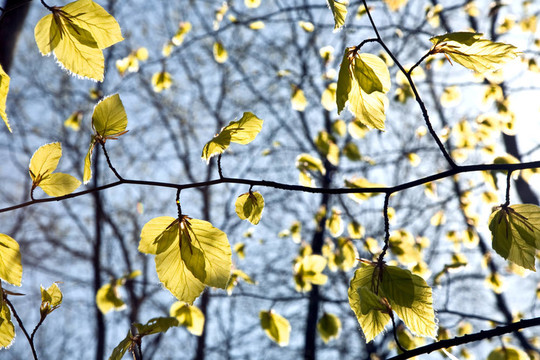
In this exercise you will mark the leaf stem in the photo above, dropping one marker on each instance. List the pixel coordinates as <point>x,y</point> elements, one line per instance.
<point>109,163</point>
<point>50,8</point>
<point>508,182</point>
<point>21,325</point>
<point>219,167</point>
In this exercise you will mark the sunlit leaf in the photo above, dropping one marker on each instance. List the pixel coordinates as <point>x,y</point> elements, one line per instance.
<point>43,163</point>
<point>250,206</point>
<point>252,4</point>
<point>308,270</point>
<point>189,316</point>
<point>307,26</point>
<point>10,261</point>
<point>276,327</point>
<point>161,81</point>
<point>7,330</point>
<point>339,11</point>
<point>220,54</point>
<point>157,325</point>
<point>328,97</point>
<point>473,52</point>
<point>74,121</point>
<point>361,183</point>
<point>508,353</point>
<point>395,5</point>
<point>51,298</point>
<point>183,29</point>
<point>329,327</point>
<point>107,299</point>
<point>516,233</point>
<point>256,25</point>
<point>242,132</point>
<point>4,88</point>
<point>334,223</point>
<point>298,99</point>
<point>236,275</point>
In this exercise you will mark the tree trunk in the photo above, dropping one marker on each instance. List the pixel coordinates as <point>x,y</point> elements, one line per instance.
<point>11,23</point>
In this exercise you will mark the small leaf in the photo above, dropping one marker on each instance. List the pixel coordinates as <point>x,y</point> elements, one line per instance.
<point>236,275</point>
<point>308,270</point>
<point>306,162</point>
<point>51,298</point>
<point>329,327</point>
<point>298,99</point>
<point>395,5</point>
<point>161,81</point>
<point>4,88</point>
<point>157,325</point>
<point>250,206</point>
<point>242,132</point>
<point>220,54</point>
<point>10,261</point>
<point>7,330</point>
<point>473,52</point>
<point>339,11</point>
<point>189,316</point>
<point>107,299</point>
<point>362,183</point>
<point>276,327</point>
<point>508,353</point>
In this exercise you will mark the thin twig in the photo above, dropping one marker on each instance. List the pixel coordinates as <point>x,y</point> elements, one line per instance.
<point>219,167</point>
<point>386,228</point>
<point>110,163</point>
<point>21,325</point>
<point>508,182</point>
<point>394,332</point>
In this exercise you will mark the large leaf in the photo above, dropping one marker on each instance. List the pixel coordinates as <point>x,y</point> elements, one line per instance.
<point>7,330</point>
<point>397,285</point>
<point>10,261</point>
<point>473,52</point>
<point>4,88</point>
<point>42,164</point>
<point>276,327</point>
<point>76,34</point>
<point>516,233</point>
<point>339,11</point>
<point>242,132</point>
<point>189,316</point>
<point>250,206</point>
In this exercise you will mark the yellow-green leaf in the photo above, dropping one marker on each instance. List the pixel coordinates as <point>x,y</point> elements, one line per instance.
<point>508,353</point>
<point>397,284</point>
<point>361,183</point>
<point>298,99</point>
<point>334,223</point>
<point>161,81</point>
<point>7,330</point>
<point>252,4</point>
<point>74,121</point>
<point>329,327</point>
<point>220,54</point>
<point>395,5</point>
<point>157,325</point>
<point>276,327</point>
<point>473,52</point>
<point>516,233</point>
<point>189,316</point>
<point>43,163</point>
<point>122,347</point>
<point>51,298</point>
<point>107,299</point>
<point>242,132</point>
<point>10,261</point>
<point>236,275</point>
<point>308,270</point>
<point>250,206</point>
<point>87,173</point>
<point>306,162</point>
<point>109,119</point>
<point>339,11</point>
<point>4,88</point>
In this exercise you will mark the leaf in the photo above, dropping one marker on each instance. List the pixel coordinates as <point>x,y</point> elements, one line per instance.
<point>161,81</point>
<point>329,327</point>
<point>157,325</point>
<point>363,81</point>
<point>120,349</point>
<point>51,298</point>
<point>107,299</point>
<point>276,327</point>
<point>306,162</point>
<point>298,99</point>
<point>397,284</point>
<point>87,173</point>
<point>189,316</point>
<point>308,270</point>
<point>4,88</point>
<point>220,54</point>
<point>473,52</point>
<point>361,183</point>
<point>242,132</point>
<point>339,11</point>
<point>250,206</point>
<point>10,261</point>
<point>235,276</point>
<point>395,5</point>
<point>42,164</point>
<point>516,233</point>
<point>508,353</point>
<point>76,34</point>
<point>7,330</point>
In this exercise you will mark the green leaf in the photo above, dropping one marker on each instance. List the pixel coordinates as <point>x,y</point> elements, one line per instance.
<point>242,132</point>
<point>306,162</point>
<point>397,285</point>
<point>10,261</point>
<point>308,270</point>
<point>363,81</point>
<point>107,298</point>
<point>157,325</point>
<point>76,34</point>
<point>7,330</point>
<point>276,327</point>
<point>473,52</point>
<point>51,298</point>
<point>4,89</point>
<point>339,11</point>
<point>124,345</point>
<point>508,353</point>
<point>42,164</point>
<point>516,233</point>
<point>329,327</point>
<point>250,206</point>
<point>189,316</point>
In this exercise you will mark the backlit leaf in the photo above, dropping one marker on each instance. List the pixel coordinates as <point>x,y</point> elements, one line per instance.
<point>4,88</point>
<point>161,81</point>
<point>76,34</point>
<point>298,99</point>
<point>43,163</point>
<point>250,206</point>
<point>508,353</point>
<point>397,284</point>
<point>339,11</point>
<point>395,5</point>
<point>516,233</point>
<point>242,132</point>
<point>51,298</point>
<point>10,261</point>
<point>329,327</point>
<point>473,52</point>
<point>220,54</point>
<point>276,327</point>
<point>361,183</point>
<point>252,4</point>
<point>107,299</point>
<point>7,330</point>
<point>157,325</point>
<point>308,270</point>
<point>189,316</point>
<point>236,275</point>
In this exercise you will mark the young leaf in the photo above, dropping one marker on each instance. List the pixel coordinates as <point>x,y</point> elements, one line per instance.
<point>329,327</point>
<point>308,270</point>
<point>51,298</point>
<point>220,54</point>
<point>189,316</point>
<point>76,34</point>
<point>4,88</point>
<point>236,275</point>
<point>43,163</point>
<point>107,298</point>
<point>361,183</point>
<point>250,206</point>
<point>7,330</point>
<point>473,52</point>
<point>306,162</point>
<point>339,11</point>
<point>10,261</point>
<point>161,81</point>
<point>242,132</point>
<point>516,233</point>
<point>298,99</point>
<point>109,121</point>
<point>276,327</point>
